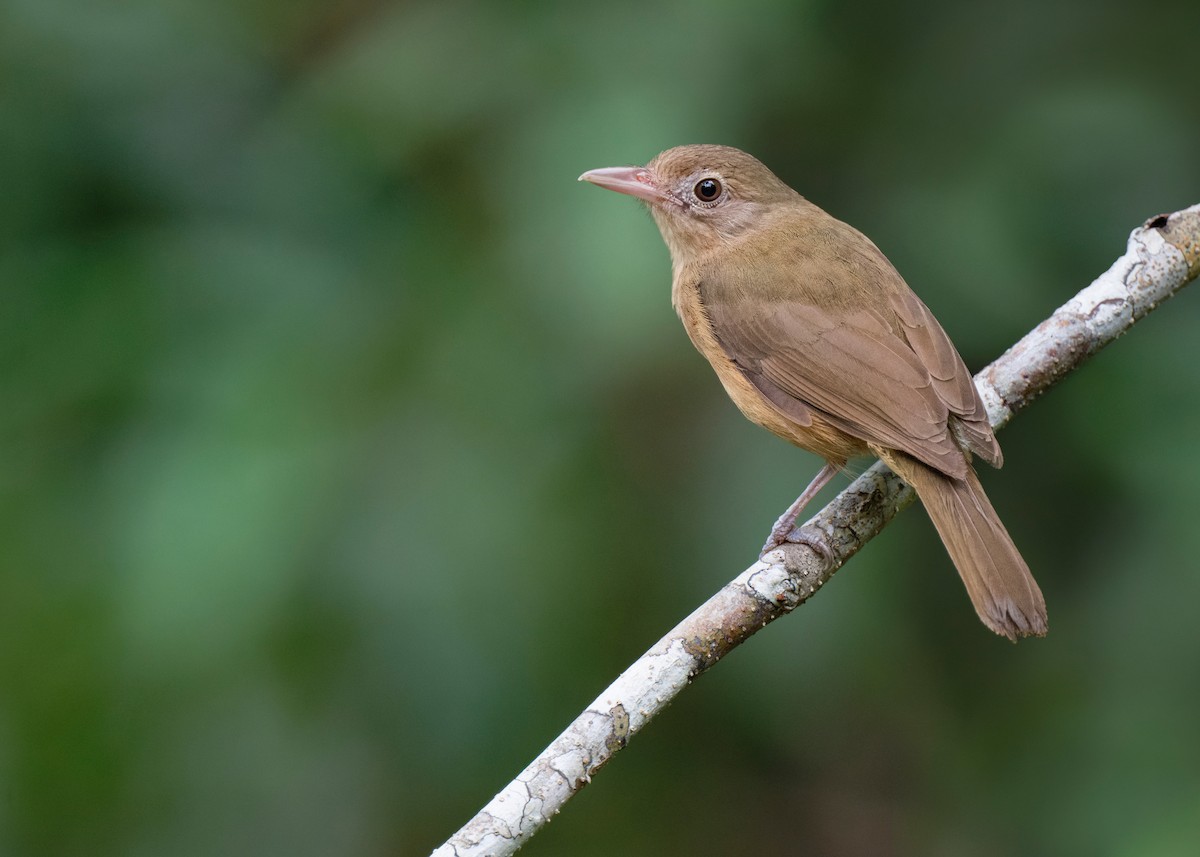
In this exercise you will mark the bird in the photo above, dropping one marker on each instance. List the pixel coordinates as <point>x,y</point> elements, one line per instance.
<point>817,338</point>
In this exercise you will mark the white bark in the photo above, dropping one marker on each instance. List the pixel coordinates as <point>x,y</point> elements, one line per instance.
<point>1162,256</point>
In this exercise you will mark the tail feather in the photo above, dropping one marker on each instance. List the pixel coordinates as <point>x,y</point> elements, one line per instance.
<point>1003,590</point>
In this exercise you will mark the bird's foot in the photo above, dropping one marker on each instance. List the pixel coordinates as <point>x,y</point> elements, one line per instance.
<point>779,533</point>
<point>809,536</point>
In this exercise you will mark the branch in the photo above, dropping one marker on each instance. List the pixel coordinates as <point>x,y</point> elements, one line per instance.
<point>1162,256</point>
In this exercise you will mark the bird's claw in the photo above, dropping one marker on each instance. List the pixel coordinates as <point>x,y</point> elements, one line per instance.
<point>809,536</point>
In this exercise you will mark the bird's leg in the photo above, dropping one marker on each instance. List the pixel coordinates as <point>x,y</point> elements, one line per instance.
<point>787,521</point>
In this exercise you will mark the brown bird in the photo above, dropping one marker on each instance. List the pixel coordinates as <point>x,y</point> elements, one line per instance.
<point>817,338</point>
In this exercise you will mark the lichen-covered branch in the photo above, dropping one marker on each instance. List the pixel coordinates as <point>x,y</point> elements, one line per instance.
<point>1162,256</point>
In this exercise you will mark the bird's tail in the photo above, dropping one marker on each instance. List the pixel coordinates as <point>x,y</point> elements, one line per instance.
<point>1004,593</point>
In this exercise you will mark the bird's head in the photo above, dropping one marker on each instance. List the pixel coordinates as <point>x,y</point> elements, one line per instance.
<point>702,197</point>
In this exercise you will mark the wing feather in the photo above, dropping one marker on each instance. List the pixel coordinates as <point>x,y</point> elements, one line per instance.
<point>951,380</point>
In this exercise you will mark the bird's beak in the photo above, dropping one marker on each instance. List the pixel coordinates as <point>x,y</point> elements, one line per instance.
<point>635,181</point>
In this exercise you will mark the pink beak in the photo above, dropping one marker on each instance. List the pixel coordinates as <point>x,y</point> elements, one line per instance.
<point>635,181</point>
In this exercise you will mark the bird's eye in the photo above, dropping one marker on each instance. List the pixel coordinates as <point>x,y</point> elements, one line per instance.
<point>707,190</point>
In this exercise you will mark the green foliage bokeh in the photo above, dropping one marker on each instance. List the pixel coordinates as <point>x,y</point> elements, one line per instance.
<point>350,447</point>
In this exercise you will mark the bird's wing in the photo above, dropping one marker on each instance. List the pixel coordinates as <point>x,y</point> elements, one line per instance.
<point>898,386</point>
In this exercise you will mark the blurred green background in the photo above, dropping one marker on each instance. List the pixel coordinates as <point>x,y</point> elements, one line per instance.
<point>350,447</point>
